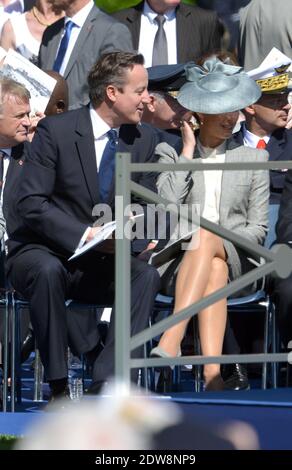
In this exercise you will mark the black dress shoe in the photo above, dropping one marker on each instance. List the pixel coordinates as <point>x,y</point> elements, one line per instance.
<point>59,398</point>
<point>235,377</point>
<point>28,346</point>
<point>92,355</point>
<point>95,388</point>
<point>289,376</point>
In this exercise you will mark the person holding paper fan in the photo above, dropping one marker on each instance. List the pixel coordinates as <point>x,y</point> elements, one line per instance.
<point>237,200</point>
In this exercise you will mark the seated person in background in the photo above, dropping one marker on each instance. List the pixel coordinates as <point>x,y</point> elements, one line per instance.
<point>14,130</point>
<point>264,126</point>
<point>57,104</point>
<point>72,45</point>
<point>282,288</point>
<point>236,200</point>
<point>164,111</point>
<point>59,100</point>
<point>189,31</point>
<point>24,32</point>
<point>63,179</point>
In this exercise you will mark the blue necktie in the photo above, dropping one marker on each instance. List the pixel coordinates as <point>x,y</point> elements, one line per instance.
<point>63,45</point>
<point>107,165</point>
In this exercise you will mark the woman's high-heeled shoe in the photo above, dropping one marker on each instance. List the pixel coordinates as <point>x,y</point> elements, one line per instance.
<point>166,379</point>
<point>159,352</point>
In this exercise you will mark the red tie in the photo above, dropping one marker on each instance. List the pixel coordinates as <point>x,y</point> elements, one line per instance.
<point>261,144</point>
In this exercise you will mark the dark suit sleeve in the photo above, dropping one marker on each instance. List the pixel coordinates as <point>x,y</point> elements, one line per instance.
<point>34,203</point>
<point>284,225</point>
<point>145,154</point>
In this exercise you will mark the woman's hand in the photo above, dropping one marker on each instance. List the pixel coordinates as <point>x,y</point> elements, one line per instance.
<point>34,120</point>
<point>189,140</point>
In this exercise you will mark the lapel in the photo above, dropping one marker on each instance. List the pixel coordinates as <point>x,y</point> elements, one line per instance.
<point>83,35</point>
<point>276,146</point>
<point>127,136</point>
<point>52,48</point>
<point>226,182</point>
<point>237,138</point>
<point>134,23</point>
<point>199,183</point>
<point>86,151</point>
<point>182,37</point>
<point>13,172</point>
<point>15,165</point>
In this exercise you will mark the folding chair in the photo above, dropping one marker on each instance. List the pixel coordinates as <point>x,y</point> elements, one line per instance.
<point>17,305</point>
<point>5,303</point>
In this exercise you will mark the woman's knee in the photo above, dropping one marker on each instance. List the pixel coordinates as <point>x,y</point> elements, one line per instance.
<point>219,271</point>
<point>210,239</point>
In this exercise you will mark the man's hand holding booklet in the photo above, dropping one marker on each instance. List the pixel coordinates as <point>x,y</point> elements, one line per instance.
<point>102,234</point>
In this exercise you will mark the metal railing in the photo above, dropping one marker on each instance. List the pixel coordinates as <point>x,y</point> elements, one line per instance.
<point>278,260</point>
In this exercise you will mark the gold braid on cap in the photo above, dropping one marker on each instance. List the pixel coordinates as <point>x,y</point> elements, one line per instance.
<point>172,93</point>
<point>276,83</point>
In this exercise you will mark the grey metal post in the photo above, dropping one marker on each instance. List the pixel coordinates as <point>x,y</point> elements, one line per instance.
<point>6,355</point>
<point>122,274</point>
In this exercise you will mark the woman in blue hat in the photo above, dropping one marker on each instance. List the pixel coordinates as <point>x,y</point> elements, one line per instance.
<point>236,200</point>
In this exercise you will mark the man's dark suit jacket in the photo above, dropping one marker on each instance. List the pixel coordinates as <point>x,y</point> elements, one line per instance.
<point>279,148</point>
<point>28,4</point>
<point>12,181</point>
<point>284,225</point>
<point>198,30</point>
<point>59,181</point>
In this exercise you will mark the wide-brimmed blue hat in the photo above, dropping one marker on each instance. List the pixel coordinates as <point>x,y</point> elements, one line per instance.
<point>217,88</point>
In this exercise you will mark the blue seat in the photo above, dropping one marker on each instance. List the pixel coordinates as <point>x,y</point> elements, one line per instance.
<point>258,302</point>
<point>16,306</point>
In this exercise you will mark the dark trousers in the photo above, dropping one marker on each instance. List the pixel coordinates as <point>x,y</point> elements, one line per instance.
<point>282,296</point>
<point>47,281</point>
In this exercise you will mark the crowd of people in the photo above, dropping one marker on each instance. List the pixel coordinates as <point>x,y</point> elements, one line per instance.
<point>138,81</point>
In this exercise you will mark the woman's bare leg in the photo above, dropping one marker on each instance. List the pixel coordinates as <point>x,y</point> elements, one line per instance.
<point>212,322</point>
<point>192,283</point>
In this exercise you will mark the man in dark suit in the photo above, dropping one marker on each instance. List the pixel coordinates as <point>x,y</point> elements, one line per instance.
<point>14,128</point>
<point>264,127</point>
<point>164,111</point>
<point>60,186</point>
<point>190,31</point>
<point>72,45</point>
<point>282,288</point>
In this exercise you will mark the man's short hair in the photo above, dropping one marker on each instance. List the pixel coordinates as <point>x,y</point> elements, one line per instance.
<point>11,87</point>
<point>110,70</point>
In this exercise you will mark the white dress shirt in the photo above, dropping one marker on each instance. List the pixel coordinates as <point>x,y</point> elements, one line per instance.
<point>148,30</point>
<point>6,162</point>
<point>100,129</point>
<point>213,180</point>
<point>251,140</point>
<point>79,20</point>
